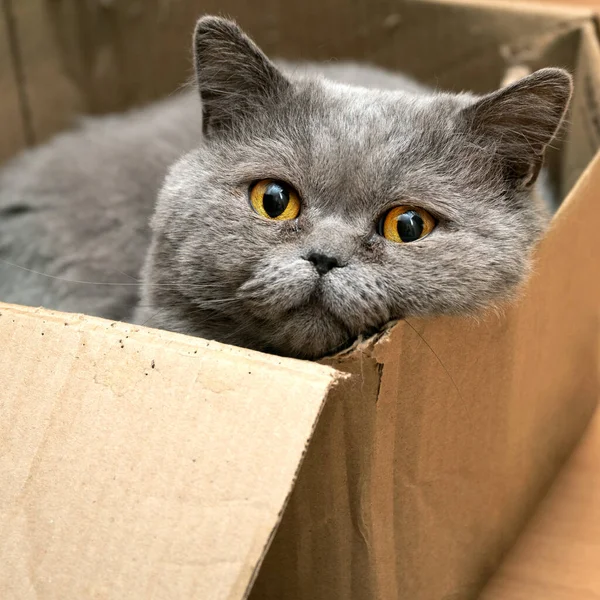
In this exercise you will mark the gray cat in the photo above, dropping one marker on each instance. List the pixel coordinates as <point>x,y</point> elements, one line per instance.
<point>304,211</point>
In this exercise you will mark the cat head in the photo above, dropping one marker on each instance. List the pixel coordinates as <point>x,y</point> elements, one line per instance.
<point>313,212</point>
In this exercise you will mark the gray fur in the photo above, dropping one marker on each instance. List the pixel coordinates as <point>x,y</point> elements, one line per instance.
<point>77,209</point>
<point>218,270</point>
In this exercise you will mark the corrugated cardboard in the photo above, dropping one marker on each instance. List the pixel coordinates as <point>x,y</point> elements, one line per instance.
<point>557,556</point>
<point>424,463</point>
<point>142,464</point>
<point>37,97</point>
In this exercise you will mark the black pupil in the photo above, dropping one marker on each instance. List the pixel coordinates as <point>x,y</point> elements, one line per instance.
<point>275,199</point>
<point>410,226</point>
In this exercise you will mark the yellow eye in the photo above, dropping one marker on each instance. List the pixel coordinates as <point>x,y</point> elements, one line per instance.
<point>405,224</point>
<point>275,200</point>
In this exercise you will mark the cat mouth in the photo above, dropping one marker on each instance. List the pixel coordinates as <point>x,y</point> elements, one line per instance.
<point>315,305</point>
<point>306,320</point>
<point>310,329</point>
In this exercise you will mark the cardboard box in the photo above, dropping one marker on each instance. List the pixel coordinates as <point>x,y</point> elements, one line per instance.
<point>139,463</point>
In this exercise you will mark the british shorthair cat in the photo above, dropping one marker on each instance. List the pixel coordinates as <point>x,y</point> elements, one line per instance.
<point>306,205</point>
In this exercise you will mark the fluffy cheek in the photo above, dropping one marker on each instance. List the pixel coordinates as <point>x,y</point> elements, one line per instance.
<point>283,297</point>
<point>311,314</point>
<point>308,333</point>
<point>222,242</point>
<point>461,275</point>
<point>278,285</point>
<point>357,296</point>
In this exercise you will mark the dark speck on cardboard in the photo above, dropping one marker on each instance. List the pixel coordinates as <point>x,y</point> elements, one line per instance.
<point>152,364</point>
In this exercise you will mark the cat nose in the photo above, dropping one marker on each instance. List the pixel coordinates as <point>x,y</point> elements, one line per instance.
<point>323,263</point>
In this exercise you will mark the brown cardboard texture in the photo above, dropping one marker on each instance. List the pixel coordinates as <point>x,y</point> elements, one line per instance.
<point>139,463</point>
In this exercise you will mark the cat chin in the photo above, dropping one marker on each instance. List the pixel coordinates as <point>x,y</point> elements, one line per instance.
<point>309,323</point>
<point>309,331</point>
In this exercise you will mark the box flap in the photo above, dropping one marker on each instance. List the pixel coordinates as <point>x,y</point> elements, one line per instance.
<point>137,463</point>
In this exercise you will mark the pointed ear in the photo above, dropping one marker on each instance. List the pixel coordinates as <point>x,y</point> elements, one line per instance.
<point>520,120</point>
<point>234,77</point>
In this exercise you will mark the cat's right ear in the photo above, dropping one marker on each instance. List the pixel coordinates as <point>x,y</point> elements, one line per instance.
<point>520,120</point>
<point>235,78</point>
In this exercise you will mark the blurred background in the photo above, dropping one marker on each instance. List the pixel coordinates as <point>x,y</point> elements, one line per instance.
<point>59,58</point>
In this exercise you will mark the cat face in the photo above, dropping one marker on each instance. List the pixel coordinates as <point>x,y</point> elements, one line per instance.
<point>314,212</point>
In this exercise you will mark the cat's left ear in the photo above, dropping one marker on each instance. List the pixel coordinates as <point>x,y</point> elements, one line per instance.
<point>235,78</point>
<point>520,120</point>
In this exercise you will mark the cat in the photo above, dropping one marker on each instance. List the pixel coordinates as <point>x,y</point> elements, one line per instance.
<point>306,204</point>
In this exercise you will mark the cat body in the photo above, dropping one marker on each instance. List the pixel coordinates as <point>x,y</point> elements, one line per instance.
<point>78,208</point>
<point>299,211</point>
